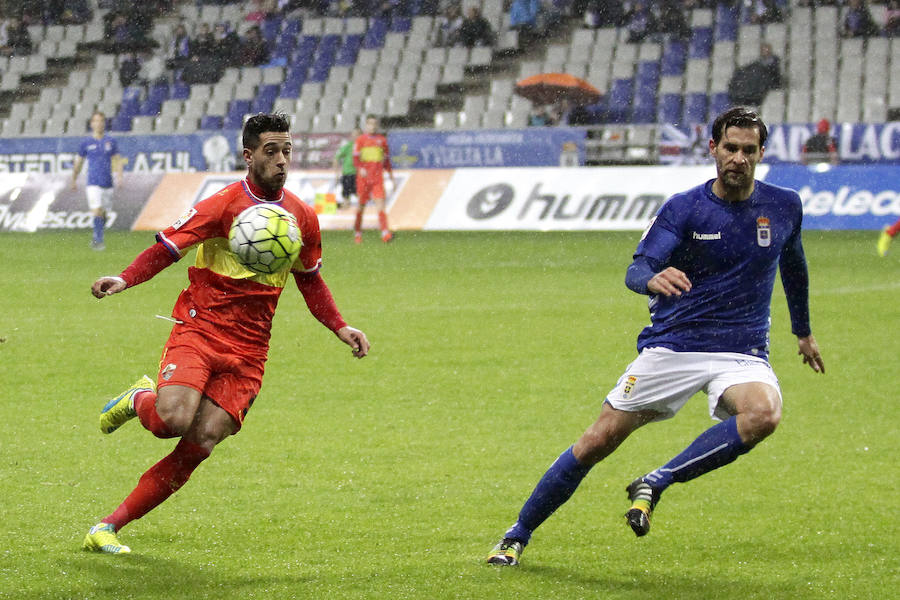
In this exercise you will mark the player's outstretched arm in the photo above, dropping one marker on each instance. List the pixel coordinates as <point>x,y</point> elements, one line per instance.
<point>107,286</point>
<point>809,350</point>
<point>354,338</point>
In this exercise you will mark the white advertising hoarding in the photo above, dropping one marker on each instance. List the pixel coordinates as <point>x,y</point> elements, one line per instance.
<point>561,199</point>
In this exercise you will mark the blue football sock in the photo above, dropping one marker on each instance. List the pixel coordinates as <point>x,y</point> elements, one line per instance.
<point>714,448</point>
<point>555,487</point>
<point>99,223</point>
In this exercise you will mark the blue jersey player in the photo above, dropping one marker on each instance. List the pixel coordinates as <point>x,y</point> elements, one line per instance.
<point>708,262</point>
<point>102,154</point>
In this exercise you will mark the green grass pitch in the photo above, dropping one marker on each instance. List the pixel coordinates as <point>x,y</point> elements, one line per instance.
<point>392,477</point>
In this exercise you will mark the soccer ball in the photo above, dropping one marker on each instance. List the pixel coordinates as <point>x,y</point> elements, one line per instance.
<point>265,238</point>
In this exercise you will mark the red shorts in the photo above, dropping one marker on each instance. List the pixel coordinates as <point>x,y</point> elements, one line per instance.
<point>213,368</point>
<point>367,188</point>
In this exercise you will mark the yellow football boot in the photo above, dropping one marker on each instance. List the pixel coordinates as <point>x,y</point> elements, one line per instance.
<point>884,242</point>
<point>120,409</point>
<point>102,538</point>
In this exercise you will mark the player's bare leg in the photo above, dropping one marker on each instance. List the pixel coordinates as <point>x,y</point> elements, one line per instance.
<point>756,410</point>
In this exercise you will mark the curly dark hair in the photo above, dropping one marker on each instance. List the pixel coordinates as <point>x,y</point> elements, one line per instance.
<point>261,123</point>
<point>739,116</point>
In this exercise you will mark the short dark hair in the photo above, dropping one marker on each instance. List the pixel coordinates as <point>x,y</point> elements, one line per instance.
<point>261,123</point>
<point>739,116</point>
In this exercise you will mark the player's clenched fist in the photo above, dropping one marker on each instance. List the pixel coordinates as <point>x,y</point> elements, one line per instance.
<point>106,286</point>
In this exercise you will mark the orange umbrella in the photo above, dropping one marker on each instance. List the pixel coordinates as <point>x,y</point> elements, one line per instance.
<point>548,88</point>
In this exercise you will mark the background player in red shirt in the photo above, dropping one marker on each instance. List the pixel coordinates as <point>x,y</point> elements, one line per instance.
<point>212,366</point>
<point>372,159</point>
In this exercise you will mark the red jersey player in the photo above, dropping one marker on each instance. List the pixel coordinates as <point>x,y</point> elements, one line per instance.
<point>372,159</point>
<point>212,366</point>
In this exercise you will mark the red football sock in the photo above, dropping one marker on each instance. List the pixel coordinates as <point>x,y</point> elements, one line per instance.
<point>894,229</point>
<point>145,406</point>
<point>357,226</point>
<point>159,482</point>
<point>382,220</point>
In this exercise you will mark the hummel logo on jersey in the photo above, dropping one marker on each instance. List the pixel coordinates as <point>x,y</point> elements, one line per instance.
<point>707,236</point>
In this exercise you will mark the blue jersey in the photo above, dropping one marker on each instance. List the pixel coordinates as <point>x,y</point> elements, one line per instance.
<point>730,251</point>
<point>99,164</point>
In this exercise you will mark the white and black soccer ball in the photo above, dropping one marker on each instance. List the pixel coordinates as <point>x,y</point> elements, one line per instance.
<point>265,238</point>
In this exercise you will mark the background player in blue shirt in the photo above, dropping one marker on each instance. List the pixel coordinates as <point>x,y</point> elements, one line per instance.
<point>708,261</point>
<point>102,154</point>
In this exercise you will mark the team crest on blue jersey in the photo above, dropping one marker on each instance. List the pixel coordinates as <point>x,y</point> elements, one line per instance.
<point>763,232</point>
<point>629,386</point>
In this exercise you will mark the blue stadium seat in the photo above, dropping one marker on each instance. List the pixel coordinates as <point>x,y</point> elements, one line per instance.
<point>306,46</point>
<point>348,51</point>
<point>324,58</point>
<point>726,23</point>
<point>673,58</point>
<point>719,103</point>
<point>158,92</point>
<point>150,107</point>
<point>270,28</point>
<point>375,34</point>
<point>234,118</point>
<point>695,108</point>
<point>120,123</point>
<point>180,91</point>
<point>701,42</point>
<point>211,122</point>
<point>295,78</point>
<point>292,27</point>
<point>265,98</point>
<point>646,82</point>
<point>401,24</point>
<point>670,109</point>
<point>284,46</point>
<point>619,99</point>
<point>289,89</point>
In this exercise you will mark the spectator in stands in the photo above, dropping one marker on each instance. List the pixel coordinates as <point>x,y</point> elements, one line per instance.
<point>523,17</point>
<point>254,50</point>
<point>670,19</point>
<point>640,22</point>
<point>203,44</point>
<point>129,69</point>
<point>858,20</point>
<point>126,27</point>
<point>178,48</point>
<point>892,19</point>
<point>200,69</point>
<point>765,11</point>
<point>821,147</point>
<point>449,24</point>
<point>260,10</point>
<point>751,82</point>
<point>540,116</point>
<point>475,30</point>
<point>228,44</point>
<point>603,13</point>
<point>18,40</point>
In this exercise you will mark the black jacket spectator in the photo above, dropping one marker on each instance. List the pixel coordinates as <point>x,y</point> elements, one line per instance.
<point>475,30</point>
<point>18,40</point>
<point>751,82</point>
<point>253,51</point>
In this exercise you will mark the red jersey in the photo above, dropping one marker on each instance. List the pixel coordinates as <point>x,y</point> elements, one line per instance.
<point>225,300</point>
<point>371,153</point>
